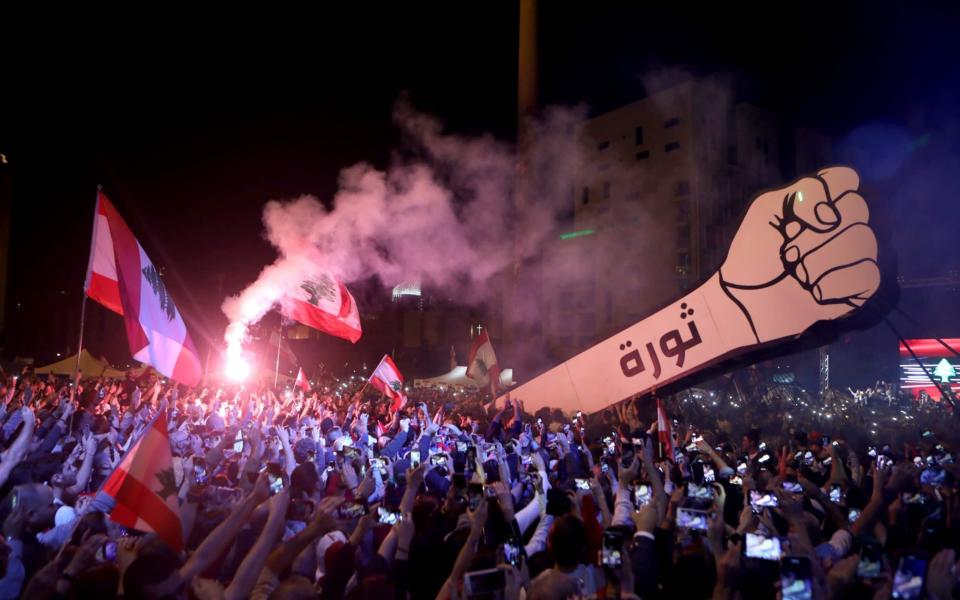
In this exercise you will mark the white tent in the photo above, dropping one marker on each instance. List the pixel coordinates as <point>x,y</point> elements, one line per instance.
<point>458,378</point>
<point>90,366</point>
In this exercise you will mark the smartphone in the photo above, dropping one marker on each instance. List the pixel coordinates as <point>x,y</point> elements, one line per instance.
<point>793,487</point>
<point>461,446</point>
<point>762,547</point>
<point>107,552</point>
<point>642,494</point>
<point>852,515</point>
<point>582,484</point>
<point>474,495</point>
<point>275,477</point>
<point>512,553</point>
<point>700,492</point>
<point>526,460</point>
<point>387,516</point>
<point>612,549</point>
<point>696,470</point>
<point>351,510</point>
<point>884,461</point>
<point>693,519</point>
<point>736,480</point>
<point>796,578</point>
<point>199,471</point>
<point>709,476</point>
<point>438,460</point>
<point>836,494</point>
<point>610,445</point>
<point>238,442</point>
<point>378,464</point>
<point>761,500</point>
<point>871,560</point>
<point>909,580</point>
<point>414,459</point>
<point>489,583</point>
<point>489,491</point>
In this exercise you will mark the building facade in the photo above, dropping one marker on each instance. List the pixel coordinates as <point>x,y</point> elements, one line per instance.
<point>663,185</point>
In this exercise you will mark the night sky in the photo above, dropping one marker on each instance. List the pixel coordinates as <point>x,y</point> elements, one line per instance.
<point>192,123</point>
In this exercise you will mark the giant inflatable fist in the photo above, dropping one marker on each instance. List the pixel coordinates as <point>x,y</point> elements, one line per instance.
<point>803,253</point>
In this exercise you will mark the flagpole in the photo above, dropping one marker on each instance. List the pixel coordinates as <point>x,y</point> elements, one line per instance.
<point>276,372</point>
<point>83,304</point>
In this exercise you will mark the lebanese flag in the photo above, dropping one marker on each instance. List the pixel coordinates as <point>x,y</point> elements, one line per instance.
<point>144,487</point>
<point>325,304</point>
<point>302,382</point>
<point>482,364</point>
<point>664,431</point>
<point>121,276</point>
<point>388,380</point>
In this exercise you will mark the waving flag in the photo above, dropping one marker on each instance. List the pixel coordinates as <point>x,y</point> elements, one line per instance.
<point>302,382</point>
<point>145,489</point>
<point>325,304</point>
<point>482,364</point>
<point>121,276</point>
<point>387,378</point>
<point>664,431</point>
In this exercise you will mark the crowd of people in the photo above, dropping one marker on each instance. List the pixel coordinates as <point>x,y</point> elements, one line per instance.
<point>337,493</point>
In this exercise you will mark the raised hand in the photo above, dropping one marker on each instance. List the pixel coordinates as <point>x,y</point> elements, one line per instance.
<point>807,246</point>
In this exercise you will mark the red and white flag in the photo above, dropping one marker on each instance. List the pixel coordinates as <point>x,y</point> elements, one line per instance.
<point>144,487</point>
<point>325,304</point>
<point>664,432</point>
<point>121,277</point>
<point>482,364</point>
<point>301,381</point>
<point>387,378</point>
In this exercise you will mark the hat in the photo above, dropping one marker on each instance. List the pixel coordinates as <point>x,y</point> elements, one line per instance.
<point>334,540</point>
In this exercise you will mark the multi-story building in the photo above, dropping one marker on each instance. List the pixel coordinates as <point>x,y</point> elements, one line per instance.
<point>664,183</point>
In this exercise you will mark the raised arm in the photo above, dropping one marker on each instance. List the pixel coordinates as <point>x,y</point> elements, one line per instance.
<point>477,521</point>
<point>218,540</point>
<point>86,468</point>
<point>14,454</point>
<point>253,562</point>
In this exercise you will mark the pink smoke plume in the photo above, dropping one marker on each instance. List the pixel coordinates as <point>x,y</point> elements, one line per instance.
<point>443,219</point>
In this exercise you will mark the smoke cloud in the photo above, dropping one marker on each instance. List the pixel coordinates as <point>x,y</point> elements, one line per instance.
<point>441,213</point>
